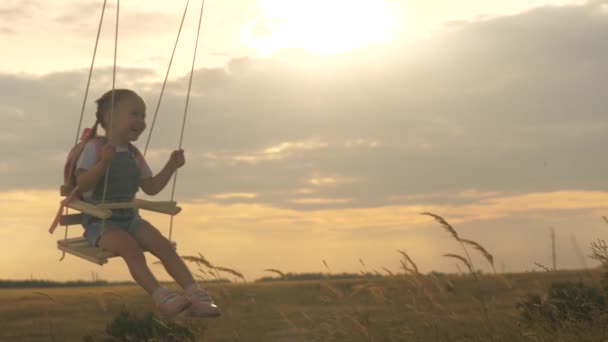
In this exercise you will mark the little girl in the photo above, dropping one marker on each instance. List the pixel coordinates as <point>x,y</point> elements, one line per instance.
<point>125,233</point>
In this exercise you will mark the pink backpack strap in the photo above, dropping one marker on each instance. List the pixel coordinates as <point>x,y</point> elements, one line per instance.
<point>69,170</point>
<point>74,155</point>
<point>72,196</point>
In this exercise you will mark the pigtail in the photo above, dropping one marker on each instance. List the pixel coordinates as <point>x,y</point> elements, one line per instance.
<point>89,133</point>
<point>93,132</point>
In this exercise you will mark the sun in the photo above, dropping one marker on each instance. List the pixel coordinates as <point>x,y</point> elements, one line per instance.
<point>320,26</point>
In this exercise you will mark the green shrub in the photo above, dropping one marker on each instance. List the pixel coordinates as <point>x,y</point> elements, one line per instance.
<point>565,302</point>
<point>128,326</point>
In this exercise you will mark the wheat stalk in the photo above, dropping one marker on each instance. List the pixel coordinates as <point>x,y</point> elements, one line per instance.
<point>362,328</point>
<point>543,267</point>
<point>201,260</point>
<point>444,223</point>
<point>461,258</point>
<point>333,290</point>
<point>407,257</point>
<point>46,295</point>
<point>483,251</point>
<point>275,271</point>
<point>387,271</point>
<point>359,288</point>
<point>453,232</point>
<point>230,271</point>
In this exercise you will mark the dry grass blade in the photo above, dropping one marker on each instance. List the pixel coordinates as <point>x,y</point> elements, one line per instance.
<point>275,271</point>
<point>204,261</point>
<point>306,316</point>
<point>600,251</point>
<point>362,263</point>
<point>112,294</point>
<point>444,223</point>
<point>480,248</point>
<point>543,267</point>
<point>286,319</point>
<point>377,292</point>
<point>46,295</point>
<point>230,271</point>
<point>360,327</point>
<point>326,265</point>
<point>333,290</point>
<point>605,219</point>
<point>388,271</point>
<point>407,257</point>
<point>405,267</point>
<point>201,260</point>
<point>461,258</point>
<point>359,288</point>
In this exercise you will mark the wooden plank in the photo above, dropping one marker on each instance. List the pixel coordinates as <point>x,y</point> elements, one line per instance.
<point>66,190</point>
<point>164,207</point>
<point>70,220</point>
<point>117,205</point>
<point>89,252</point>
<point>104,210</point>
<point>81,247</point>
<point>90,209</point>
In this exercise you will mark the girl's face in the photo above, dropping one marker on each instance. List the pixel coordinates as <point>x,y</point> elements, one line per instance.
<point>129,119</point>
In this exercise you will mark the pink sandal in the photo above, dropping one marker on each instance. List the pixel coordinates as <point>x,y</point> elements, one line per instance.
<point>202,304</point>
<point>169,303</point>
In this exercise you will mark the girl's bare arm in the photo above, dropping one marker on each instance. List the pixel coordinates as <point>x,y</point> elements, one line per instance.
<point>153,185</point>
<point>87,179</point>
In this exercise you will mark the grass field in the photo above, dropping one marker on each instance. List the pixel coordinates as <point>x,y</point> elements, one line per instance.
<point>392,308</point>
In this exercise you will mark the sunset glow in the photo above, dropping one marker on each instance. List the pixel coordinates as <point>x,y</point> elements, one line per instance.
<point>322,27</point>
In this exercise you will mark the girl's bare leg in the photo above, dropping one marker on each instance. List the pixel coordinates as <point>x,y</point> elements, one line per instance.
<point>152,240</point>
<point>124,245</point>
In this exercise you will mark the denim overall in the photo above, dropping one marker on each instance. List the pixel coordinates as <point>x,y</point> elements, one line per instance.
<point>122,185</point>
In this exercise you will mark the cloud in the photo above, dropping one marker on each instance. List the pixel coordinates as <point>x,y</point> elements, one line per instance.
<point>15,10</point>
<point>311,200</point>
<point>79,13</point>
<point>511,227</point>
<point>7,31</point>
<point>508,105</point>
<point>277,152</point>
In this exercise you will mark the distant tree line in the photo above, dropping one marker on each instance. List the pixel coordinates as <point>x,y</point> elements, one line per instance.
<point>50,283</point>
<point>6,284</point>
<point>319,276</point>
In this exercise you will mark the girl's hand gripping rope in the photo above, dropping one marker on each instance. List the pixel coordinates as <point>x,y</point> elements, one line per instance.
<point>176,160</point>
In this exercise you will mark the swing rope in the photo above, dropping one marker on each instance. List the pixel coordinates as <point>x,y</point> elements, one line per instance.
<point>84,102</point>
<point>113,100</point>
<point>162,91</point>
<point>181,136</point>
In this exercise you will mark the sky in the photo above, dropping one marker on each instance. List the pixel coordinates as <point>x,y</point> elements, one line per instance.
<point>320,131</point>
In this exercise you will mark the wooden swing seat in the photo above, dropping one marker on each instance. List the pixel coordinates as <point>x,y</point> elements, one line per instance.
<point>80,247</point>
